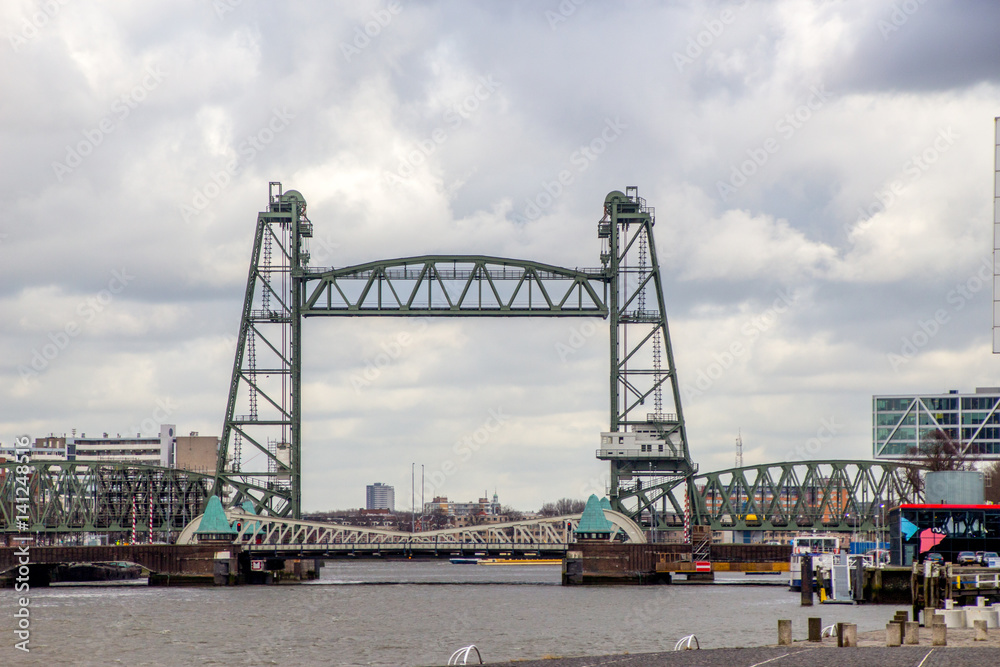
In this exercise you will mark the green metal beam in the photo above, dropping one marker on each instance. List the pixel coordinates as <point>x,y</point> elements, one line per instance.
<point>824,495</point>
<point>97,497</point>
<point>456,285</point>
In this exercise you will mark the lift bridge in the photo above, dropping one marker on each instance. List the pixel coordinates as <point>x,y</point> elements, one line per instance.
<point>653,479</point>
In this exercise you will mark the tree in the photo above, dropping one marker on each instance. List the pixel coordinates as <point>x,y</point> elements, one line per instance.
<point>941,453</point>
<point>511,513</point>
<point>992,474</point>
<point>563,506</point>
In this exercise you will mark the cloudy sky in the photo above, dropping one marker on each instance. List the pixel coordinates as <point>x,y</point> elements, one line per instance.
<point>821,173</point>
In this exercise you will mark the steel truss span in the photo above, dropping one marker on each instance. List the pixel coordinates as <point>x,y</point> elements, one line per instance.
<point>260,455</point>
<point>548,534</point>
<point>820,495</point>
<point>462,285</point>
<point>78,497</point>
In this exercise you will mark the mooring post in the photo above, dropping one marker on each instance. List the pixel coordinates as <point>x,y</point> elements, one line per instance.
<point>815,629</point>
<point>850,635</point>
<point>807,580</point>
<point>893,634</point>
<point>784,632</point>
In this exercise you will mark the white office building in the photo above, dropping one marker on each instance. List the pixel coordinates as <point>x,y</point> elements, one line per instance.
<point>379,496</point>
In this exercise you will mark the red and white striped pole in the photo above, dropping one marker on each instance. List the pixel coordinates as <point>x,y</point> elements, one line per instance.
<point>133,520</point>
<point>150,519</point>
<point>687,514</point>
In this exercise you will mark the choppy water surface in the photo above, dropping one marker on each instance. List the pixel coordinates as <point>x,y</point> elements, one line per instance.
<point>400,613</point>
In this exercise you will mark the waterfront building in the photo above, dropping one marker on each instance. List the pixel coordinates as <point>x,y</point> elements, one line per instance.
<point>918,530</point>
<point>483,506</point>
<point>197,453</point>
<point>49,448</point>
<point>193,452</point>
<point>903,425</point>
<point>379,496</point>
<point>154,450</point>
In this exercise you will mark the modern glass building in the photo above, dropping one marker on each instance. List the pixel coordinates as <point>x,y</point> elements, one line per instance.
<point>903,424</point>
<point>918,530</point>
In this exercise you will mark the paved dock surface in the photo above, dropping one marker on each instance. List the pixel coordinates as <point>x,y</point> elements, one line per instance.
<point>962,651</point>
<point>793,656</point>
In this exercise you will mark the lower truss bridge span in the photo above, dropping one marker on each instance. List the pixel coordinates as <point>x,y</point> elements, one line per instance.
<point>832,495</point>
<point>119,501</point>
<point>546,537</point>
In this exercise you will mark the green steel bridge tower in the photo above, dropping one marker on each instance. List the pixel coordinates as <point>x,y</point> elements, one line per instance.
<point>260,456</point>
<point>647,443</point>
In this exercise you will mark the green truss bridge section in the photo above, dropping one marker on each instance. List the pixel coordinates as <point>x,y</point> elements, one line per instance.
<point>456,285</point>
<point>99,497</point>
<point>819,495</point>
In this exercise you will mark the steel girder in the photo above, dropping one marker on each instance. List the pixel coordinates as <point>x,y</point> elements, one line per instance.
<point>93,496</point>
<point>825,495</point>
<point>456,285</point>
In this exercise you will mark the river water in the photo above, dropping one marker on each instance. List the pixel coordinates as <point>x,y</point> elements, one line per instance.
<point>401,613</point>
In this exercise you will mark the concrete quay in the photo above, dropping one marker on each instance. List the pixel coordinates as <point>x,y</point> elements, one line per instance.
<point>962,651</point>
<point>799,655</point>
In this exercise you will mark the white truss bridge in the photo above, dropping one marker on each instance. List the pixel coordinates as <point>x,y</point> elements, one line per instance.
<point>549,535</point>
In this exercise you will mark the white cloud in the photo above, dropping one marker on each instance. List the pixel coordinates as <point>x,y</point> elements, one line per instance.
<point>861,286</point>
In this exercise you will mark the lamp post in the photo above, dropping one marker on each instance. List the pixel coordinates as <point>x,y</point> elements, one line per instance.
<point>880,526</point>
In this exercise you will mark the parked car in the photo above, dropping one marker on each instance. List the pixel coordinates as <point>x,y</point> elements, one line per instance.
<point>966,558</point>
<point>990,556</point>
<point>934,558</point>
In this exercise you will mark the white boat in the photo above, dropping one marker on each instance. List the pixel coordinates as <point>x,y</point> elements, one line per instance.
<point>821,548</point>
